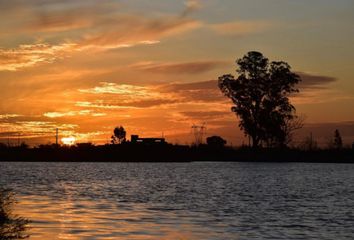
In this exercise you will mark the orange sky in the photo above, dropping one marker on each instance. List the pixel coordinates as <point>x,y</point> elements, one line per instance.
<point>86,66</point>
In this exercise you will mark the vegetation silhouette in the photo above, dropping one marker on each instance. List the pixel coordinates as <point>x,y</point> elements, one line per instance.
<point>119,135</point>
<point>216,141</point>
<point>154,151</point>
<point>11,226</point>
<point>260,96</point>
<point>338,143</point>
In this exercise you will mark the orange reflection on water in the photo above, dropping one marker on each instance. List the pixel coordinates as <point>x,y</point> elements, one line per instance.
<point>100,219</point>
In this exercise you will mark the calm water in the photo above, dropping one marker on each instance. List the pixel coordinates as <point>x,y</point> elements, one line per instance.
<point>184,200</point>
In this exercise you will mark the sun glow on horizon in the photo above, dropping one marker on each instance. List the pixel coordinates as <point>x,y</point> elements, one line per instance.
<point>68,140</point>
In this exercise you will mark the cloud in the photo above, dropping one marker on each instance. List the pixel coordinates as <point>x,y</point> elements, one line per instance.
<point>125,91</point>
<point>132,30</point>
<point>205,115</point>
<point>112,96</point>
<point>29,129</point>
<point>34,129</point>
<point>55,16</point>
<point>7,116</point>
<point>203,91</point>
<point>241,28</point>
<point>124,96</point>
<point>195,67</point>
<point>191,6</point>
<point>65,27</point>
<point>73,114</point>
<point>148,103</point>
<point>314,81</point>
<point>315,89</point>
<point>50,24</point>
<point>99,104</point>
<point>201,85</point>
<point>48,17</point>
<point>28,55</point>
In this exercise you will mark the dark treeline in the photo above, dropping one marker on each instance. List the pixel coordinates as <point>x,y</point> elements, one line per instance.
<point>129,152</point>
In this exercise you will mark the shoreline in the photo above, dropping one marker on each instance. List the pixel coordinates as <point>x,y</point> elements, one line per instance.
<point>172,153</point>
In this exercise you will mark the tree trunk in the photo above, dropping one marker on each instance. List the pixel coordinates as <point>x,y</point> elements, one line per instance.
<point>255,142</point>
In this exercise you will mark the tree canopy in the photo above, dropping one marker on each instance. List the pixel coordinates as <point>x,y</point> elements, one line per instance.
<point>260,97</point>
<point>118,136</point>
<point>216,141</point>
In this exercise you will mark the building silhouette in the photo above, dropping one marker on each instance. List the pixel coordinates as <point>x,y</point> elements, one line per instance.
<point>135,139</point>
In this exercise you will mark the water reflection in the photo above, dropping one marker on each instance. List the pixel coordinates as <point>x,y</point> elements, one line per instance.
<point>11,225</point>
<point>191,201</point>
<point>72,218</point>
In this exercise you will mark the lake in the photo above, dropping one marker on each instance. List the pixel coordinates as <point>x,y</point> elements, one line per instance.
<point>198,200</point>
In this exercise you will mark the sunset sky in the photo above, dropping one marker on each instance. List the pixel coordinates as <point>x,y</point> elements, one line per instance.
<point>152,66</point>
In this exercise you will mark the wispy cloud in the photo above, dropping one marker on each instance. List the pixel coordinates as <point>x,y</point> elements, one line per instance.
<point>130,31</point>
<point>31,129</point>
<point>195,67</point>
<point>7,116</point>
<point>241,28</point>
<point>73,114</point>
<point>100,104</point>
<point>191,6</point>
<point>125,96</point>
<point>63,28</point>
<point>31,54</point>
<point>206,115</point>
<point>315,81</point>
<point>121,89</point>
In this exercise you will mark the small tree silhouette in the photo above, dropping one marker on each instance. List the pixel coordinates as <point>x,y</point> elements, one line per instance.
<point>338,143</point>
<point>119,135</point>
<point>216,141</point>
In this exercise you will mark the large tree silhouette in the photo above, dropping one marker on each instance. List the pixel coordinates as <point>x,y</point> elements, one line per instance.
<point>260,96</point>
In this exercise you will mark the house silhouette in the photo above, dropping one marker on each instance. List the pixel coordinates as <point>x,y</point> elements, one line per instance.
<point>135,139</point>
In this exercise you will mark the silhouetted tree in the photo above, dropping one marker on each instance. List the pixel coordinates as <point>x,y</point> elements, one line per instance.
<point>216,141</point>
<point>260,96</point>
<point>119,135</point>
<point>338,143</point>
